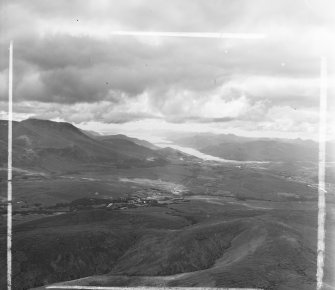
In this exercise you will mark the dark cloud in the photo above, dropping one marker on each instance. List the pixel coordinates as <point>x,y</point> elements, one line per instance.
<point>65,57</point>
<point>121,117</point>
<point>68,69</point>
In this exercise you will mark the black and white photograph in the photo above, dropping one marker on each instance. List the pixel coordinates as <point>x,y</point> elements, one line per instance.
<point>167,144</point>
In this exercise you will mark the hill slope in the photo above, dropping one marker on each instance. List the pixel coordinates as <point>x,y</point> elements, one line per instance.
<point>139,142</point>
<point>59,145</point>
<point>263,150</point>
<point>229,146</point>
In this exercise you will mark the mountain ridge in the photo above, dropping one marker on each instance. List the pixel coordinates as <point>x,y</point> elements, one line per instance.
<point>233,147</point>
<point>54,145</point>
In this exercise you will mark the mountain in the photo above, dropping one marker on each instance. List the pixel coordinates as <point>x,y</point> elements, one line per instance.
<point>59,145</point>
<point>232,147</point>
<point>126,145</point>
<point>263,150</point>
<point>176,155</point>
<point>131,139</point>
<point>91,133</point>
<point>201,140</point>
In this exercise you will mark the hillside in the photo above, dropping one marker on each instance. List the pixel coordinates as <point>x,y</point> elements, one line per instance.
<point>263,150</point>
<point>232,147</point>
<point>176,155</point>
<point>139,142</point>
<point>198,243</point>
<point>57,145</point>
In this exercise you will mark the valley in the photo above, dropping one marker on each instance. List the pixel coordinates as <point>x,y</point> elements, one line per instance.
<point>159,217</point>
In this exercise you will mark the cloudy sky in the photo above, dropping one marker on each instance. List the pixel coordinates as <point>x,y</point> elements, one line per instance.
<point>68,65</point>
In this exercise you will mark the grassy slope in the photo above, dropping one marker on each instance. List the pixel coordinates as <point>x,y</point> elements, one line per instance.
<point>212,244</point>
<point>54,146</point>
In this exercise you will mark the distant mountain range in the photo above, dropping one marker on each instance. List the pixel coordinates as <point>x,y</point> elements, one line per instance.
<point>232,147</point>
<point>60,146</point>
